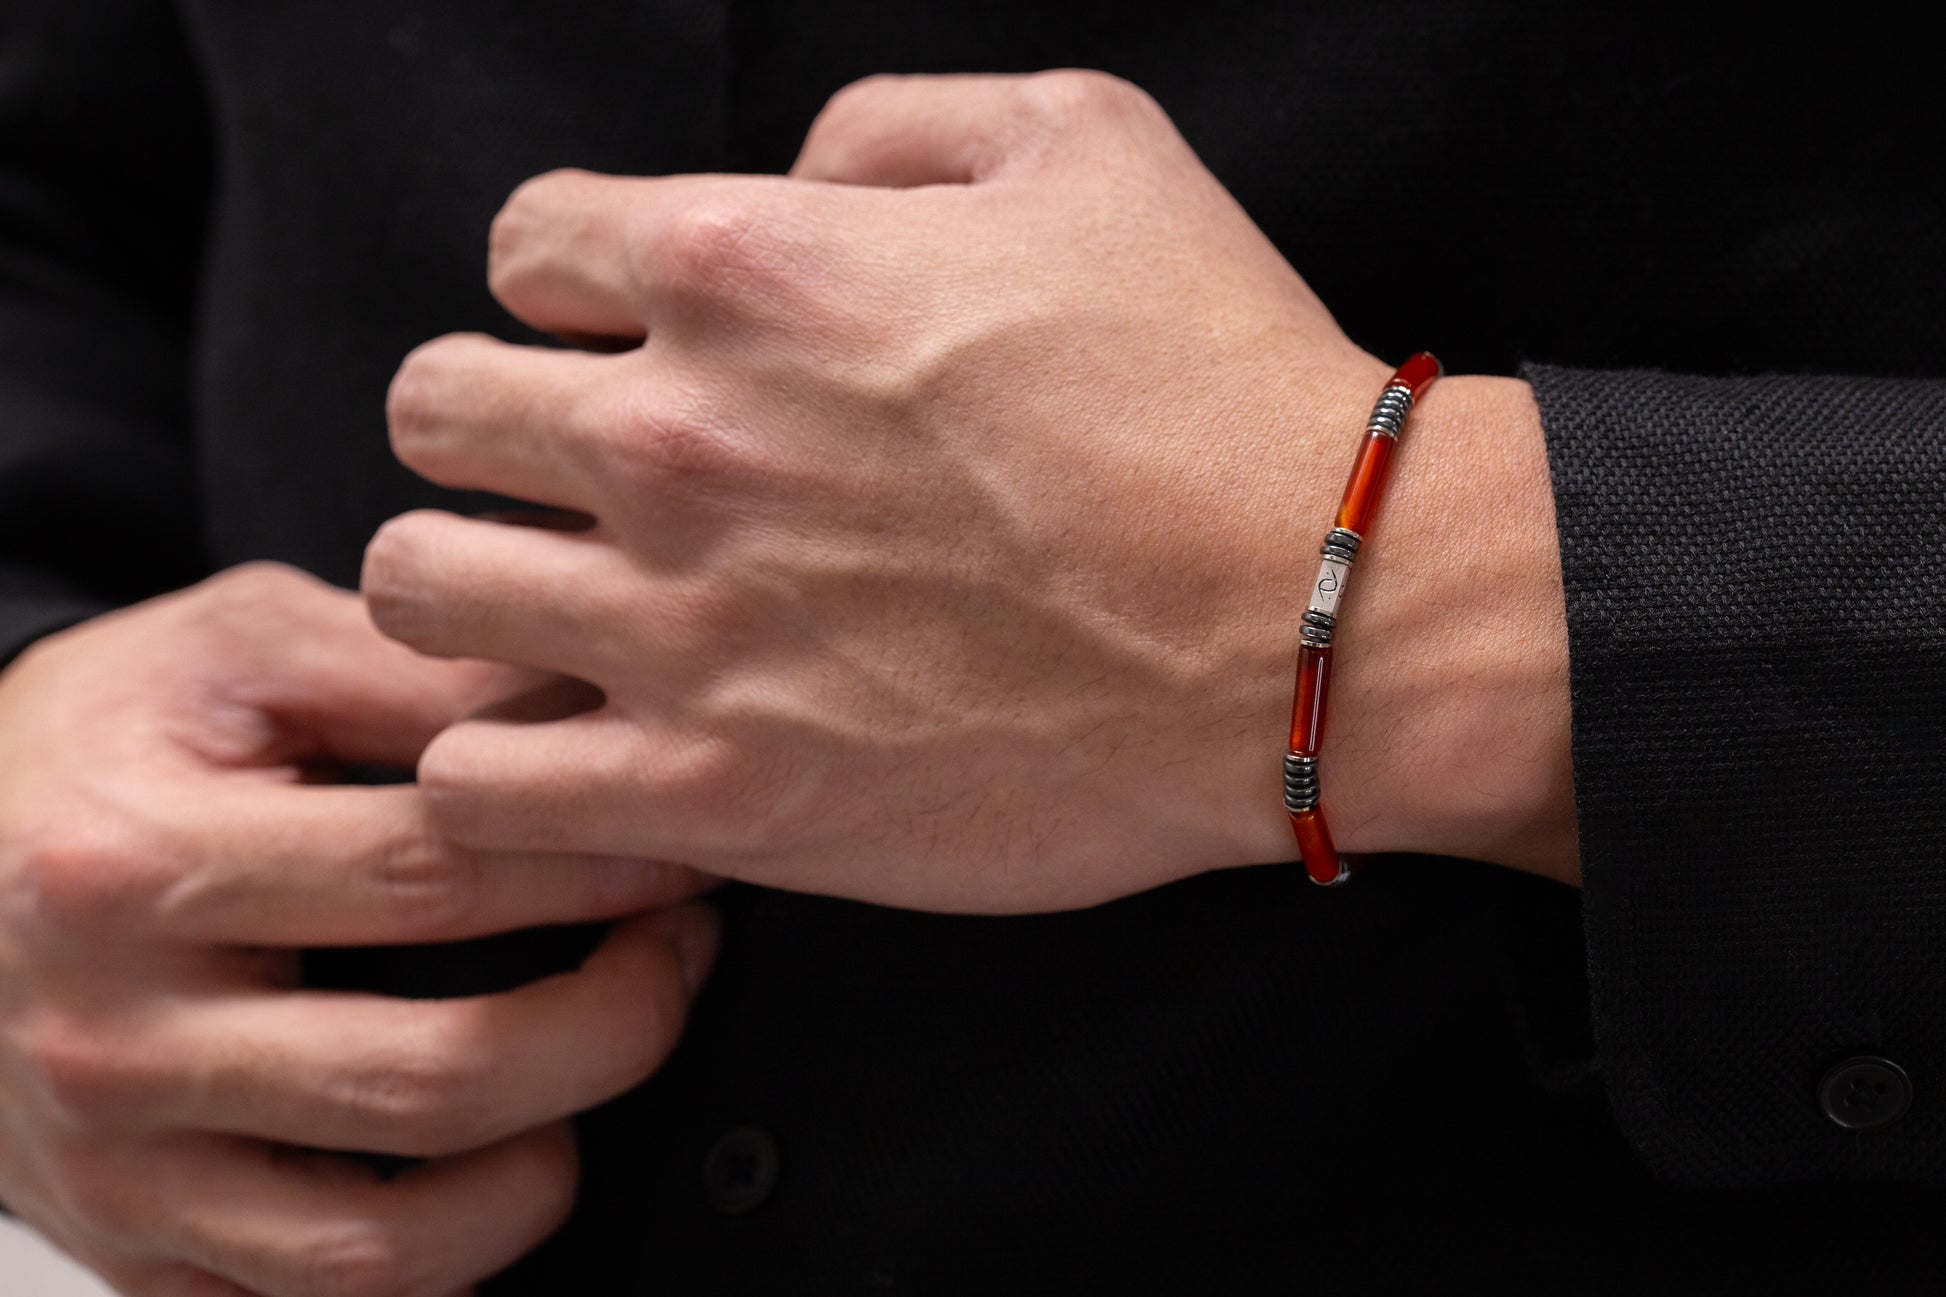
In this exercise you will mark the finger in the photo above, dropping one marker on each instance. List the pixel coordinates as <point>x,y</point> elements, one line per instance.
<point>904,131</point>
<point>322,866</point>
<point>328,682</point>
<point>427,1078</point>
<point>560,258</point>
<point>577,253</point>
<point>461,587</point>
<point>592,778</point>
<point>603,782</point>
<point>290,1224</point>
<point>473,413</point>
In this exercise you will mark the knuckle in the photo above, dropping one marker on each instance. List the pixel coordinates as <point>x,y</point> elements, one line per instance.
<point>524,210</point>
<point>389,581</point>
<point>1071,96</point>
<point>431,887</point>
<point>507,239</point>
<point>720,247</point>
<point>423,1094</point>
<point>861,101</point>
<point>356,1259</point>
<point>414,397</point>
<point>244,613</point>
<point>79,878</point>
<point>241,601</point>
<point>409,400</point>
<point>75,1069</point>
<point>542,215</point>
<point>662,439</point>
<point>726,791</point>
<point>261,579</point>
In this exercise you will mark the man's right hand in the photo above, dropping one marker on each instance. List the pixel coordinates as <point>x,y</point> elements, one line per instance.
<point>171,1099</point>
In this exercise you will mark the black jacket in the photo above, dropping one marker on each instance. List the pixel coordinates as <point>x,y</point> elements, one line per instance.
<point>222,224</point>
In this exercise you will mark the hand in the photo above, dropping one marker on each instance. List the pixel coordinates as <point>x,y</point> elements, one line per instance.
<point>165,850</point>
<point>952,524</point>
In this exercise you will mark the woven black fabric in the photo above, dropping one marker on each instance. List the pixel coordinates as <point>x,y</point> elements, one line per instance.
<point>1756,576</point>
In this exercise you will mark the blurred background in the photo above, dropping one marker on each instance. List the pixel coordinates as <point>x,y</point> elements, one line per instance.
<point>30,1268</point>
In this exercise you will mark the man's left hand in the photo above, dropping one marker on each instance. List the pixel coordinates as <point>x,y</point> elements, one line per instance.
<point>953,502</point>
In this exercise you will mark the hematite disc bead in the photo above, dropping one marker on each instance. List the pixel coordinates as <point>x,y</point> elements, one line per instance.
<point>1388,416</point>
<point>1300,783</point>
<point>1340,544</point>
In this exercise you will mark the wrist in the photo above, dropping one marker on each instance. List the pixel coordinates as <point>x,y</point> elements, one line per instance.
<point>1449,726</point>
<point>1453,671</point>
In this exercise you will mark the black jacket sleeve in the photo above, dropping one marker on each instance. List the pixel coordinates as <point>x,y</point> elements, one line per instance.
<point>1756,599</point>
<point>104,174</point>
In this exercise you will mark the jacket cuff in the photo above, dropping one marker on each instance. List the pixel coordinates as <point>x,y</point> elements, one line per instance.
<point>1756,599</point>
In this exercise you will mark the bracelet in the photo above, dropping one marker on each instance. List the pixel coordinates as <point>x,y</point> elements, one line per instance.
<point>1321,859</point>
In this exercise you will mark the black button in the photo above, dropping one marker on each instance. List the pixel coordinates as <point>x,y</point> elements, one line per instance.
<point>741,1170</point>
<point>1865,1093</point>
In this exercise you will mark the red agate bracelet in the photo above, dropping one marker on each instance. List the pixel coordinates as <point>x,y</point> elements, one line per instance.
<point>1321,859</point>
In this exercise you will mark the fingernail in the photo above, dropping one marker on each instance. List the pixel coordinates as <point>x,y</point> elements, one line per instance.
<point>698,931</point>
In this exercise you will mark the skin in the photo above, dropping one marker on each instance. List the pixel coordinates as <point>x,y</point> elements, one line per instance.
<point>950,507</point>
<point>948,511</point>
<point>169,840</point>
